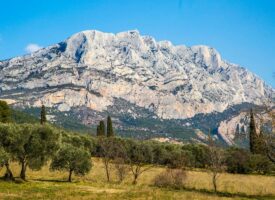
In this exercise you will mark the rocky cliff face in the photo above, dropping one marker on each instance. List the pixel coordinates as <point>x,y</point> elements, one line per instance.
<point>91,71</point>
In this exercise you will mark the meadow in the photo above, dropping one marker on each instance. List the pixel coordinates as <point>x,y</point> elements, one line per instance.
<point>45,184</point>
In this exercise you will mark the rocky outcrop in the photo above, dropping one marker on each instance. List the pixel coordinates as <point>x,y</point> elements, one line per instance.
<point>91,69</point>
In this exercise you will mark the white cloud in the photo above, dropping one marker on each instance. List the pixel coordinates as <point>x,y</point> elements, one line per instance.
<point>32,48</point>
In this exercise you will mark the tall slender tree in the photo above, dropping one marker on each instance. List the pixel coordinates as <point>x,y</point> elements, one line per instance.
<point>261,145</point>
<point>110,131</point>
<point>252,133</point>
<point>43,118</point>
<point>100,130</point>
<point>97,130</point>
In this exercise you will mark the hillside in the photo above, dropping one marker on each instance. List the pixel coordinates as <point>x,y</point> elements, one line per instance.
<point>133,78</point>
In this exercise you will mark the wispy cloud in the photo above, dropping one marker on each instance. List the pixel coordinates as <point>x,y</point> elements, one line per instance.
<point>32,48</point>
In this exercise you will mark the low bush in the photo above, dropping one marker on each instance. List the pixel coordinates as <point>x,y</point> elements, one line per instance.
<point>261,164</point>
<point>174,178</point>
<point>237,161</point>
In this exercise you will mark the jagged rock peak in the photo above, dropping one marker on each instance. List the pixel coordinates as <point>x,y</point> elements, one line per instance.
<point>173,81</point>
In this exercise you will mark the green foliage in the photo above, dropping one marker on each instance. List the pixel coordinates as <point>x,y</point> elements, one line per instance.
<point>77,140</point>
<point>257,144</point>
<point>260,164</point>
<point>72,159</point>
<point>98,130</point>
<point>242,162</point>
<point>160,153</point>
<point>43,144</point>
<point>200,154</point>
<point>4,157</point>
<point>261,145</point>
<point>66,120</point>
<point>5,146</point>
<point>171,155</point>
<point>177,159</point>
<point>20,117</point>
<point>43,118</point>
<point>237,161</point>
<point>5,112</point>
<point>110,131</point>
<point>101,129</point>
<point>252,133</point>
<point>140,153</point>
<point>30,145</point>
<point>108,149</point>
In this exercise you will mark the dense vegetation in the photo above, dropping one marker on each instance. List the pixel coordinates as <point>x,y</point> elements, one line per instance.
<point>33,145</point>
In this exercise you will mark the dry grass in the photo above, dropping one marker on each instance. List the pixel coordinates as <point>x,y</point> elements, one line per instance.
<point>45,184</point>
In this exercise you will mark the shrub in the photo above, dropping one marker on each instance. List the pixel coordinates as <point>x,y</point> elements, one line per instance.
<point>200,154</point>
<point>121,168</point>
<point>237,161</point>
<point>174,178</point>
<point>261,164</point>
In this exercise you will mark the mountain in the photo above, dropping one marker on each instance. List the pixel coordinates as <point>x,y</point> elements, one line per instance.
<point>150,88</point>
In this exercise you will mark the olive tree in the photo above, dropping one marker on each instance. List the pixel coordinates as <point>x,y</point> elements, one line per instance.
<point>32,146</point>
<point>72,159</point>
<point>6,142</point>
<point>216,161</point>
<point>4,157</point>
<point>120,159</point>
<point>108,148</point>
<point>5,117</point>
<point>139,157</point>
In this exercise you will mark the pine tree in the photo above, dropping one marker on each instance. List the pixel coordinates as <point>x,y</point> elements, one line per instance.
<point>43,118</point>
<point>5,112</point>
<point>252,134</point>
<point>110,131</point>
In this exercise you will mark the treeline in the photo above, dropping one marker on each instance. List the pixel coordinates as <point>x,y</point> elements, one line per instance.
<point>35,145</point>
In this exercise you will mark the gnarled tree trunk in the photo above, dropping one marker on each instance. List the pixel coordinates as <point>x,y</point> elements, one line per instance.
<point>8,175</point>
<point>70,176</point>
<point>23,170</point>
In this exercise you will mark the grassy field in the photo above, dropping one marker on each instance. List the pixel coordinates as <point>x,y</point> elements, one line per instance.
<point>45,184</point>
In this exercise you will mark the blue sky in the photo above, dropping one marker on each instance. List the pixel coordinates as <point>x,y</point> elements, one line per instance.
<point>243,31</point>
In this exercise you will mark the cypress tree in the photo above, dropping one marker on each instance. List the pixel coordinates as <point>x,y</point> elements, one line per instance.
<point>261,146</point>
<point>110,131</point>
<point>101,129</point>
<point>252,134</point>
<point>97,130</point>
<point>43,118</point>
<point>5,112</point>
